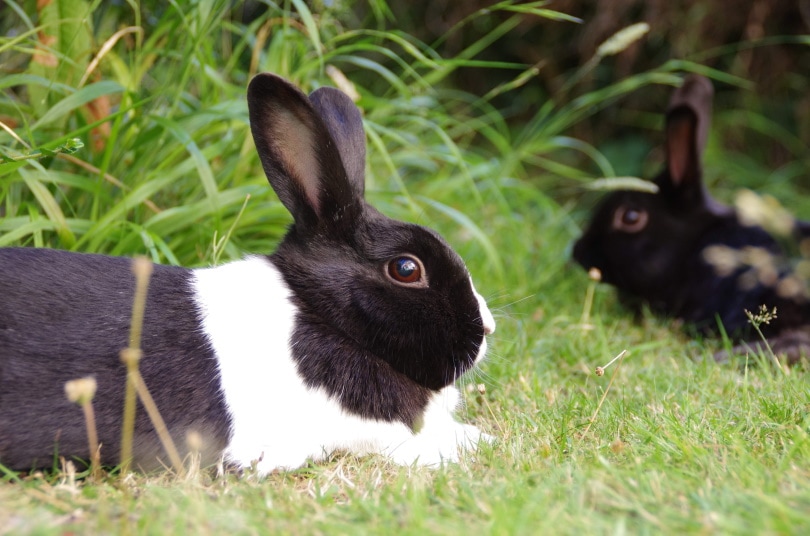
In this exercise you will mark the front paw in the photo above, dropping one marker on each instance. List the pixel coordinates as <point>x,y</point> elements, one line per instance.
<point>433,446</point>
<point>469,437</point>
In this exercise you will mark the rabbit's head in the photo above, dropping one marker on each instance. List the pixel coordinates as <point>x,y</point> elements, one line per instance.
<point>364,284</point>
<point>644,243</point>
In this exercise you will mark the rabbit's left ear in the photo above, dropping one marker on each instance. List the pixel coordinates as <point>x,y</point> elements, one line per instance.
<point>300,156</point>
<point>687,128</point>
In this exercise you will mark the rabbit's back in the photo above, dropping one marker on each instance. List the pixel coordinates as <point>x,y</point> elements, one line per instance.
<point>65,316</point>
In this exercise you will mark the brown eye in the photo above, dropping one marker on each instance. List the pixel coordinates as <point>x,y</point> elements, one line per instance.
<point>406,270</point>
<point>629,220</point>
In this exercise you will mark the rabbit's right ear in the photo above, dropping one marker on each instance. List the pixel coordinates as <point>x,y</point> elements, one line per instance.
<point>345,124</point>
<point>687,127</point>
<point>300,156</point>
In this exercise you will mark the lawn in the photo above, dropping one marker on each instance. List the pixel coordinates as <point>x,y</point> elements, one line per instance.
<point>666,441</point>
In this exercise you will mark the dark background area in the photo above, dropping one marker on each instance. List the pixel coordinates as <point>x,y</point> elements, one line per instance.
<point>739,37</point>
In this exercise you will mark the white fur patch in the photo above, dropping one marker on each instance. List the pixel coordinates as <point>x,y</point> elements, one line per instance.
<point>487,320</point>
<point>276,419</point>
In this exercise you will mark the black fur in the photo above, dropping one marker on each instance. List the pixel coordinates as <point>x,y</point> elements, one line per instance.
<point>663,263</point>
<point>395,344</point>
<point>74,324</point>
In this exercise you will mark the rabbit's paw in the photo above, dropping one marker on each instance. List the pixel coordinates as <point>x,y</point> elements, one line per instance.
<point>434,446</point>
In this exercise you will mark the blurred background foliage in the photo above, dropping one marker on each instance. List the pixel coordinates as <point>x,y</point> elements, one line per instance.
<point>481,116</point>
<point>763,116</point>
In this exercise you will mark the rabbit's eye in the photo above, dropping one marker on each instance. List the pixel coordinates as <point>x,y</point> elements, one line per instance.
<point>405,270</point>
<point>629,220</point>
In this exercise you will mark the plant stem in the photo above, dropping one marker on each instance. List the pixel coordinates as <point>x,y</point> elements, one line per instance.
<point>142,268</point>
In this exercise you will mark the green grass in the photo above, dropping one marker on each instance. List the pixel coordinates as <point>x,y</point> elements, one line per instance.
<point>679,443</point>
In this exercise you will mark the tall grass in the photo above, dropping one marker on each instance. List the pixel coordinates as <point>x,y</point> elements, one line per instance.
<point>156,92</point>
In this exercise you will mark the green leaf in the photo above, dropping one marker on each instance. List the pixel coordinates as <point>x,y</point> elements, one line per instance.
<point>20,231</point>
<point>78,99</point>
<point>69,147</point>
<point>623,183</point>
<point>200,162</point>
<point>48,203</point>
<point>311,26</point>
<point>22,79</point>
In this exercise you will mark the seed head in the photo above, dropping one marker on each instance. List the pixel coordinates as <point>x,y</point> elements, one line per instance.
<point>81,391</point>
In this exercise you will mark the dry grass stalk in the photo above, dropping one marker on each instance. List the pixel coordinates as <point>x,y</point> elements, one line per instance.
<point>620,358</point>
<point>131,356</point>
<point>142,268</point>
<point>82,391</point>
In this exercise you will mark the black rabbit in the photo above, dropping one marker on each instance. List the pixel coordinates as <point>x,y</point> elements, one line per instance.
<point>348,337</point>
<point>661,248</point>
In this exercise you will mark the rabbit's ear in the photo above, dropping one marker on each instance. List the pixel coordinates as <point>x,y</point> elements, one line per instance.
<point>696,93</point>
<point>683,154</point>
<point>688,118</point>
<point>299,156</point>
<point>345,124</point>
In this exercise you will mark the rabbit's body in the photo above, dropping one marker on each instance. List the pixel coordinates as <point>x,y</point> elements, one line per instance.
<point>331,343</point>
<point>74,325</point>
<point>655,247</point>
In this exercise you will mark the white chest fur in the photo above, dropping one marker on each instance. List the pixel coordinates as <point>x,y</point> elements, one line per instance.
<point>278,420</point>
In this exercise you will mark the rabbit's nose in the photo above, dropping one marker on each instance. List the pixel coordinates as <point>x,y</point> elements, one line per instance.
<point>487,319</point>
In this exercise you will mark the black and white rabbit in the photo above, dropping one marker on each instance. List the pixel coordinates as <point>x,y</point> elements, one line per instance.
<point>653,246</point>
<point>349,337</point>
